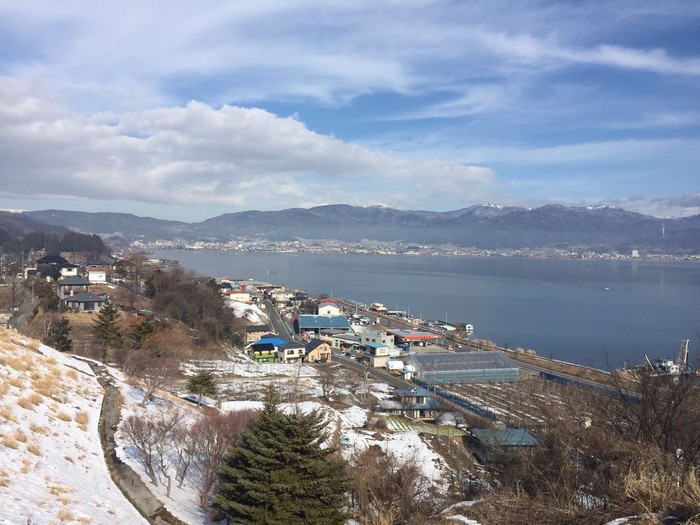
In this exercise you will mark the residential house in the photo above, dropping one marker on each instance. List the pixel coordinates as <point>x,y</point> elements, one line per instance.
<point>254,332</point>
<point>291,352</point>
<point>415,403</point>
<point>328,307</point>
<point>376,336</point>
<point>69,270</point>
<point>265,349</point>
<point>99,269</point>
<point>346,343</point>
<point>378,347</point>
<point>85,302</point>
<point>240,295</point>
<point>408,338</point>
<point>378,354</point>
<point>49,266</point>
<point>271,348</point>
<point>317,351</point>
<point>281,296</point>
<point>72,286</point>
<point>486,442</point>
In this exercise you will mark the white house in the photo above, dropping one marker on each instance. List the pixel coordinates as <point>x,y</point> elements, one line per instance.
<point>327,307</point>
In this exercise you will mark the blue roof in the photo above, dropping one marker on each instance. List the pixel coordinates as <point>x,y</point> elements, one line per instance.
<point>274,341</point>
<point>505,436</point>
<point>323,321</point>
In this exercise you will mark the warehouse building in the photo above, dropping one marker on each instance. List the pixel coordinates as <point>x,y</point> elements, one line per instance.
<point>464,367</point>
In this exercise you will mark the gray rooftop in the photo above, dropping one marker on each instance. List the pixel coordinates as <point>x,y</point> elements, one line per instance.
<point>450,361</point>
<point>75,280</point>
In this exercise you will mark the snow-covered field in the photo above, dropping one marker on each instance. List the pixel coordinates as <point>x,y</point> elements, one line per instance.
<point>347,424</point>
<point>52,468</point>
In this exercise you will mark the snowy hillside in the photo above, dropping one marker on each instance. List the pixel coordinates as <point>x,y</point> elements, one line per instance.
<point>52,468</point>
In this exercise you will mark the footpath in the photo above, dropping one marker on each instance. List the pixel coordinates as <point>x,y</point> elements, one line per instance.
<point>128,481</point>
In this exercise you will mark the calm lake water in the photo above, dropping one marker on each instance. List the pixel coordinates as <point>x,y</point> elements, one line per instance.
<point>574,310</point>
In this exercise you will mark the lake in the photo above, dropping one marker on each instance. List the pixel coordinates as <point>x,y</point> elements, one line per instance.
<point>582,311</point>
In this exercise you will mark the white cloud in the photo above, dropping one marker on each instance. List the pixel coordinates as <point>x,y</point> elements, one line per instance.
<point>233,156</point>
<point>548,52</point>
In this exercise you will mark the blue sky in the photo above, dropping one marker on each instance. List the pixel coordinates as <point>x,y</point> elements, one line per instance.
<point>184,110</point>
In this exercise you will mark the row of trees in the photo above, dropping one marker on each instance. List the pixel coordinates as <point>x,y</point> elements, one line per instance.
<point>52,244</point>
<point>193,300</point>
<point>172,449</point>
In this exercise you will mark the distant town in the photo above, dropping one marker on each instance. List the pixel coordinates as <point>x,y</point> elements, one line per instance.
<point>368,246</point>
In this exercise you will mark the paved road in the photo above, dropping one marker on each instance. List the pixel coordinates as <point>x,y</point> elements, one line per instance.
<point>123,475</point>
<point>278,325</point>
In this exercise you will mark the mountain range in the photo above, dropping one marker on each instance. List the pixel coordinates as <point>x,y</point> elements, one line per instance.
<point>601,228</point>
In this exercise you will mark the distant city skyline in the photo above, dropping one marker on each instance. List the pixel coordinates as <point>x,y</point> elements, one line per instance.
<point>186,111</point>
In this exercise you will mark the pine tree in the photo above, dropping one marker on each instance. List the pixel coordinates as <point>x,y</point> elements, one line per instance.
<point>140,332</point>
<point>105,329</point>
<point>280,474</point>
<point>203,384</point>
<point>59,336</point>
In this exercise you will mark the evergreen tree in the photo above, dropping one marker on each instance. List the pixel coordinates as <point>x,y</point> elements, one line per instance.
<point>59,336</point>
<point>140,332</point>
<point>280,474</point>
<point>203,384</point>
<point>105,329</point>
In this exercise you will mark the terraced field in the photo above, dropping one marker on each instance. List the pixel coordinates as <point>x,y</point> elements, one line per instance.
<point>404,424</point>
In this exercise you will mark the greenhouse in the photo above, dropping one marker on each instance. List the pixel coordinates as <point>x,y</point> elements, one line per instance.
<point>464,367</point>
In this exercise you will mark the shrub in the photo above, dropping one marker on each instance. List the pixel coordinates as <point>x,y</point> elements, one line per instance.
<point>63,416</point>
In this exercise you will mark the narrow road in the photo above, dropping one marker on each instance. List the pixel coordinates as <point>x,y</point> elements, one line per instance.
<point>278,324</point>
<point>122,474</point>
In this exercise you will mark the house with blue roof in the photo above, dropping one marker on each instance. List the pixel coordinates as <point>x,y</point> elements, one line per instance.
<point>272,348</point>
<point>313,324</point>
<point>415,403</point>
<point>485,443</point>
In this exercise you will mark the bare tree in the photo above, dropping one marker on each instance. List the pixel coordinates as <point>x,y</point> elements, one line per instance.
<point>653,409</point>
<point>133,268</point>
<point>14,280</point>
<point>184,443</point>
<point>141,433</point>
<point>165,425</point>
<point>387,490</point>
<point>327,380</point>
<point>155,372</point>
<point>214,435</point>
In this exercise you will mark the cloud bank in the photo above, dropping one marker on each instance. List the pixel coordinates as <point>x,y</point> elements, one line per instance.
<point>197,154</point>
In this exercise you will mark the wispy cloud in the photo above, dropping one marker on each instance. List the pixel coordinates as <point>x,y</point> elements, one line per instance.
<point>550,53</point>
<point>547,93</point>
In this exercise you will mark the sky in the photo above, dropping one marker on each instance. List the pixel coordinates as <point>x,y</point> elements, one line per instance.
<point>183,110</point>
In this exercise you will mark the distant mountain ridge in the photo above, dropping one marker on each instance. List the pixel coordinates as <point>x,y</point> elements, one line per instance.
<point>485,226</point>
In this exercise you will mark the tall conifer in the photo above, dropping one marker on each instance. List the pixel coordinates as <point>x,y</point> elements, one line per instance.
<point>280,474</point>
<point>105,329</point>
<point>202,384</point>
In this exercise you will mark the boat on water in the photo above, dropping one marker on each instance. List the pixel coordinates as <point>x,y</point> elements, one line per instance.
<point>666,366</point>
